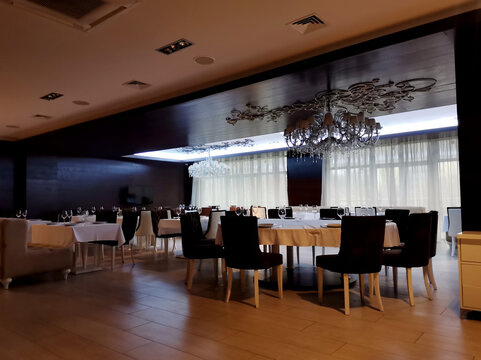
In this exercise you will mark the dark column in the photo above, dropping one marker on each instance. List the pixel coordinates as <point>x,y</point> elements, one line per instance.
<point>304,181</point>
<point>468,82</point>
<point>19,179</point>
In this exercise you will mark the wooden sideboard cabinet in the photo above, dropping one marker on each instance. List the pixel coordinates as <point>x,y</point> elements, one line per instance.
<point>469,257</point>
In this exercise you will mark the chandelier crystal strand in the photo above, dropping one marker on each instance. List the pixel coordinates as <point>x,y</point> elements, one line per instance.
<point>208,167</point>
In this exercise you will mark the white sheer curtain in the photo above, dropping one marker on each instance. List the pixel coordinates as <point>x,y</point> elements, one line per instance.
<point>420,170</point>
<point>259,179</point>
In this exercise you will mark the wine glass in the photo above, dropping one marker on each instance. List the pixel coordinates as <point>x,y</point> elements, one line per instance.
<point>341,212</point>
<point>63,215</point>
<point>79,210</point>
<point>282,212</point>
<point>24,214</point>
<point>101,208</point>
<point>18,214</point>
<point>69,215</point>
<point>178,211</point>
<point>93,210</point>
<point>238,211</point>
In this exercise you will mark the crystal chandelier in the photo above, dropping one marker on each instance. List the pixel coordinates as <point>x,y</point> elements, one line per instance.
<point>325,133</point>
<point>208,167</point>
<point>335,118</point>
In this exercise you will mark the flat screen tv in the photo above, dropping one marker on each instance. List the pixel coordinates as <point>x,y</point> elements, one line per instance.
<point>137,195</point>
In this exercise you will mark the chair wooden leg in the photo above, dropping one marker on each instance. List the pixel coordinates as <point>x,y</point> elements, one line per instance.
<point>313,256</point>
<point>132,253</point>
<point>279,281</point>
<point>242,274</point>
<point>223,270</point>
<point>155,245</point>
<point>394,278</point>
<point>347,309</point>
<point>229,284</point>
<point>409,278</point>
<point>370,278</point>
<point>298,258</point>
<point>191,274</point>
<point>113,258</point>
<point>122,253</point>
<point>453,245</point>
<point>426,282</point>
<point>361,287</point>
<point>431,274</point>
<point>320,284</point>
<point>187,272</point>
<point>256,287</point>
<point>378,291</point>
<point>200,265</point>
<point>216,268</point>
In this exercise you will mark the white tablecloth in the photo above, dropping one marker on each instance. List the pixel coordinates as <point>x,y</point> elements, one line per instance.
<point>309,233</point>
<point>82,218</point>
<point>172,226</point>
<point>62,236</point>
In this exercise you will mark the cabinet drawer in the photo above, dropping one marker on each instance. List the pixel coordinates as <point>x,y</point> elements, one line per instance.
<point>471,275</point>
<point>471,297</point>
<point>470,252</point>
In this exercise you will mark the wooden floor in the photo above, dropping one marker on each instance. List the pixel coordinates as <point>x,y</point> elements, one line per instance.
<point>145,312</point>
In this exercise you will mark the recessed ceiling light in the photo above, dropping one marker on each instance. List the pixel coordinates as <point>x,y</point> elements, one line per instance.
<point>174,46</point>
<point>204,60</point>
<point>135,84</point>
<point>51,96</point>
<point>80,102</point>
<point>40,116</point>
<point>12,126</point>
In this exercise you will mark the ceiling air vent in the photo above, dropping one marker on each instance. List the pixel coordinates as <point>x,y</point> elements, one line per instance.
<point>174,46</point>
<point>80,14</point>
<point>306,24</point>
<point>134,84</point>
<point>51,96</point>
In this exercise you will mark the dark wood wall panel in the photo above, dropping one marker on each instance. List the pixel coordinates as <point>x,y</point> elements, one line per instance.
<point>55,183</point>
<point>304,181</point>
<point>468,78</point>
<point>6,179</point>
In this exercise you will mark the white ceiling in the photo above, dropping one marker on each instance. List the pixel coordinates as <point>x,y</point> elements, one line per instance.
<point>39,56</point>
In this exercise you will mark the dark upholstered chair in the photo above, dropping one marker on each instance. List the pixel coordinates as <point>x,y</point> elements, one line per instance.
<point>400,217</point>
<point>432,249</point>
<point>129,225</point>
<point>106,215</point>
<point>415,252</point>
<point>362,239</point>
<point>241,250</point>
<point>329,214</point>
<point>194,245</point>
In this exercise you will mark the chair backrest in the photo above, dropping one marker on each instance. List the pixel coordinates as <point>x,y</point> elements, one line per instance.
<point>273,214</point>
<point>362,240</point>
<point>454,220</point>
<point>400,217</point>
<point>328,214</point>
<point>434,233</point>
<point>416,251</point>
<point>241,240</point>
<point>289,212</point>
<point>156,215</point>
<point>106,215</point>
<point>231,213</point>
<point>206,211</point>
<point>214,219</point>
<point>145,227</point>
<point>129,224</point>
<point>259,212</point>
<point>191,230</point>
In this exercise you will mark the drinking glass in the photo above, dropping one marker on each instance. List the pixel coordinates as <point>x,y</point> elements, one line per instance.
<point>24,213</point>
<point>93,210</point>
<point>63,215</point>
<point>282,212</point>
<point>341,212</point>
<point>178,211</point>
<point>18,214</point>
<point>79,210</point>
<point>69,214</point>
<point>238,211</point>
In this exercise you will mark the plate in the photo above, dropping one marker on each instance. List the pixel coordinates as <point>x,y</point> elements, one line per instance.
<point>333,225</point>
<point>266,226</point>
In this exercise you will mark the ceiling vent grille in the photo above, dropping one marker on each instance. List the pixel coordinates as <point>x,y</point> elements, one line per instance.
<point>40,116</point>
<point>307,24</point>
<point>80,14</point>
<point>134,84</point>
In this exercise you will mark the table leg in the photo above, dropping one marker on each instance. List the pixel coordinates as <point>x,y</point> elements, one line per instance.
<point>290,257</point>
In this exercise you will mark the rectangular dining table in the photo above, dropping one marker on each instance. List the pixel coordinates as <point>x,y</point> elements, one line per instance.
<point>69,234</point>
<point>295,232</point>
